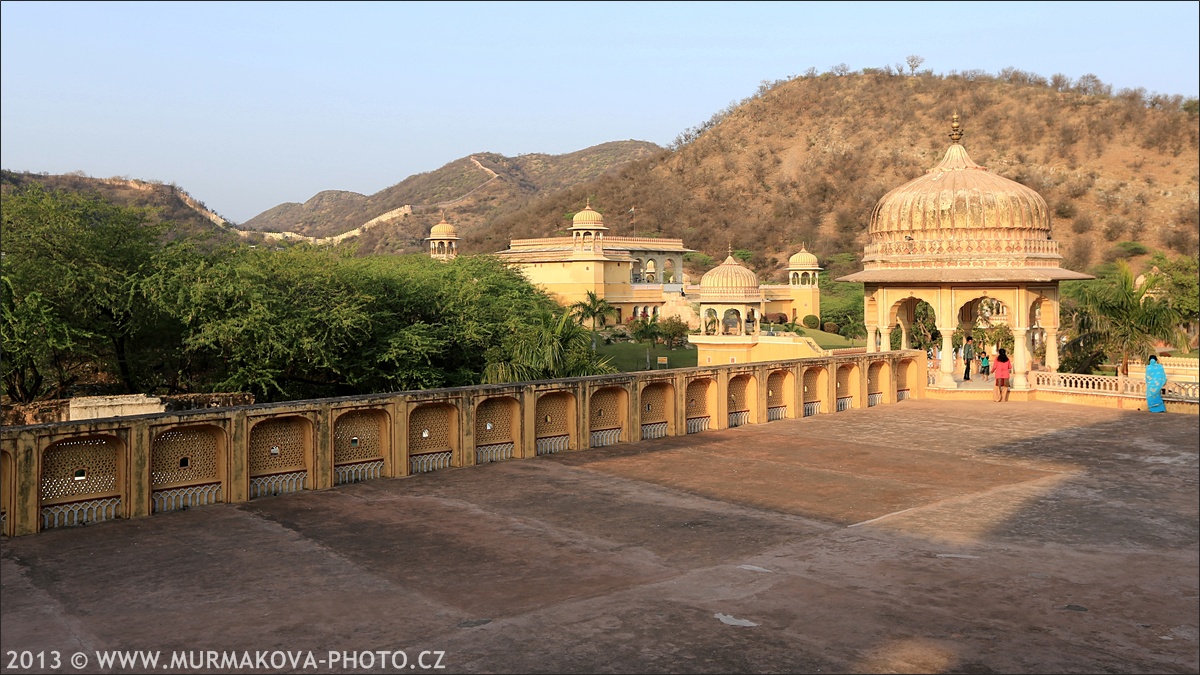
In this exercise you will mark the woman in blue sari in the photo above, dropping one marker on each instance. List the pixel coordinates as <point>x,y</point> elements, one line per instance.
<point>1156,379</point>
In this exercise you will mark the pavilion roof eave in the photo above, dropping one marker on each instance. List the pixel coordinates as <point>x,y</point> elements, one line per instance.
<point>965,275</point>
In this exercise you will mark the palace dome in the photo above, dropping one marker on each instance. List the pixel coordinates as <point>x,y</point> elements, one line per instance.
<point>730,281</point>
<point>443,230</point>
<point>803,259</point>
<point>959,214</point>
<point>588,218</point>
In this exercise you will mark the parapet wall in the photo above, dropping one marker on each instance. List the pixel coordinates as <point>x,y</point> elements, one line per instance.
<point>70,473</point>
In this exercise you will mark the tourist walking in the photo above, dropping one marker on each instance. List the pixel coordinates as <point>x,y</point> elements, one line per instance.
<point>1003,373</point>
<point>1156,379</point>
<point>985,366</point>
<point>968,357</point>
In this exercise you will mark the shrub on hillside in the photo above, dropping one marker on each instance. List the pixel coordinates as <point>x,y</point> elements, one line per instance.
<point>811,321</point>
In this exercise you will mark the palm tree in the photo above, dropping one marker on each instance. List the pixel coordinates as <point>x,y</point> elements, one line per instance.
<point>593,308</point>
<point>553,347</point>
<point>1123,320</point>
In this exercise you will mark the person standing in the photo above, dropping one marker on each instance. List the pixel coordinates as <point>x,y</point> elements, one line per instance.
<point>1002,371</point>
<point>968,357</point>
<point>1156,379</point>
<point>985,364</point>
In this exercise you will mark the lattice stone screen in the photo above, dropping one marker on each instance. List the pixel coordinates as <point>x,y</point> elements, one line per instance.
<point>357,437</point>
<point>874,383</point>
<point>429,429</point>
<point>80,469</point>
<point>697,398</point>
<point>277,445</point>
<point>184,456</point>
<point>843,381</point>
<point>493,421</point>
<point>606,409</point>
<point>552,415</point>
<point>654,403</point>
<point>738,400</point>
<point>776,381</point>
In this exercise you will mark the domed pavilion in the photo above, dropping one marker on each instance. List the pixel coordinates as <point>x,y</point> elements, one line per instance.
<point>972,244</point>
<point>732,303</point>
<point>443,240</point>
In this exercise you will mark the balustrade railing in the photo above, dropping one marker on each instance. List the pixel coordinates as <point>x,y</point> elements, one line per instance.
<point>494,452</point>
<point>603,437</point>
<point>874,399</point>
<point>81,512</point>
<point>431,461</point>
<point>812,408</point>
<point>844,403</point>
<point>901,394</point>
<point>357,472</point>
<point>738,418</point>
<point>552,444</point>
<point>175,499</point>
<point>776,412</point>
<point>1110,384</point>
<point>697,424</point>
<point>277,484</point>
<point>654,430</point>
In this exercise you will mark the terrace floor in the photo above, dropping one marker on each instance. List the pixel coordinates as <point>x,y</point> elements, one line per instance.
<point>926,536</point>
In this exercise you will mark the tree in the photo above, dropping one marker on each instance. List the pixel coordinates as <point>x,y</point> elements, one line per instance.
<point>553,346</point>
<point>673,331</point>
<point>914,62</point>
<point>74,266</point>
<point>593,308</point>
<point>645,330</point>
<point>1119,320</point>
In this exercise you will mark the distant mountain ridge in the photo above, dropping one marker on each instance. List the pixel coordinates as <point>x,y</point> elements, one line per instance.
<point>473,190</point>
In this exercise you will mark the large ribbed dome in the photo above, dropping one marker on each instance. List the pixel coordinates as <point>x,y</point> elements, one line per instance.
<point>588,219</point>
<point>729,281</point>
<point>960,214</point>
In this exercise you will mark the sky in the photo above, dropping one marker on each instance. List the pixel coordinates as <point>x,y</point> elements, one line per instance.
<point>249,105</point>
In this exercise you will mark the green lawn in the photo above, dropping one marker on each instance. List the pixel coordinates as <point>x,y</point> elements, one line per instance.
<point>631,356</point>
<point>829,340</point>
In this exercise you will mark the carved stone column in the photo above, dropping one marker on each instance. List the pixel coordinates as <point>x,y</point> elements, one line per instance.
<point>1020,378</point>
<point>1052,349</point>
<point>872,344</point>
<point>947,379</point>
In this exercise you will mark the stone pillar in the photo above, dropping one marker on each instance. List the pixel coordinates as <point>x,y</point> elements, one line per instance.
<point>903,336</point>
<point>1020,358</point>
<point>1052,349</point>
<point>947,357</point>
<point>872,339</point>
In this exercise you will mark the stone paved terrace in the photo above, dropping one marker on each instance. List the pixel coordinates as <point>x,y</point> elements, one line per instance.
<point>927,536</point>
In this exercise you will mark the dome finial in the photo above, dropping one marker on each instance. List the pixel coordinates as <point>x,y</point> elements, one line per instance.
<point>955,128</point>
<point>443,215</point>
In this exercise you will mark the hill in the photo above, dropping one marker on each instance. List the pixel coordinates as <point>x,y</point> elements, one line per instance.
<point>474,190</point>
<point>805,160</point>
<point>190,218</point>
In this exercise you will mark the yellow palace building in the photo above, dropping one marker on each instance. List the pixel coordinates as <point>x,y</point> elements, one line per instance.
<point>640,276</point>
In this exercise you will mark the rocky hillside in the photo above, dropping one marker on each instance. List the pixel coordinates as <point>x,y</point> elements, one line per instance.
<point>806,159</point>
<point>191,218</point>
<point>473,191</point>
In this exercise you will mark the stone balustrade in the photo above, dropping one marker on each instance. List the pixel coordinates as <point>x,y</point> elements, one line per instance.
<point>85,471</point>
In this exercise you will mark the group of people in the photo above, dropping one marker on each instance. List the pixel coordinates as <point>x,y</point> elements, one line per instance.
<point>1001,370</point>
<point>1156,377</point>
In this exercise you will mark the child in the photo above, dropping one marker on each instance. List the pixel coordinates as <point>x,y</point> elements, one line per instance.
<point>984,366</point>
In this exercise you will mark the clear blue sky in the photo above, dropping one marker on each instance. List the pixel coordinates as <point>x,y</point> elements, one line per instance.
<point>249,105</point>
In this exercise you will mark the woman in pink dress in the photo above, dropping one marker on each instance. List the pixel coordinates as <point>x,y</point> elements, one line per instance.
<point>1002,369</point>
